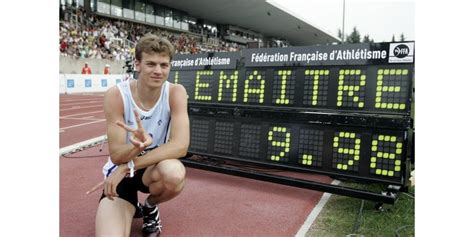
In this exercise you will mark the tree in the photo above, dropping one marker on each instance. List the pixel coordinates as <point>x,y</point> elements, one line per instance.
<point>354,37</point>
<point>393,38</point>
<point>402,37</point>
<point>367,39</point>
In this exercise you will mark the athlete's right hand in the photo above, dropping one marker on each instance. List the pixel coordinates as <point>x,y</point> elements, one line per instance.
<point>140,138</point>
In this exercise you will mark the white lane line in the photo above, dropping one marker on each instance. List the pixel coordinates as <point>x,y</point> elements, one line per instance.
<point>93,112</point>
<point>86,143</point>
<point>82,124</point>
<point>315,212</point>
<point>84,119</point>
<point>82,103</point>
<point>82,98</point>
<point>80,107</point>
<point>67,100</point>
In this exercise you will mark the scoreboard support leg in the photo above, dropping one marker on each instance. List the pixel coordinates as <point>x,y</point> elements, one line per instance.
<point>388,197</point>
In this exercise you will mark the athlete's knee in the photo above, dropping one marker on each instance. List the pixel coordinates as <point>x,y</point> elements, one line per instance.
<point>114,218</point>
<point>172,175</point>
<point>155,175</point>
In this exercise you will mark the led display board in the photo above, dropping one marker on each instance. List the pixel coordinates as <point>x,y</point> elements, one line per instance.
<point>342,110</point>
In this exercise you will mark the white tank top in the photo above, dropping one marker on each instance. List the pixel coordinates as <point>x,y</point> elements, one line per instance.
<point>155,121</point>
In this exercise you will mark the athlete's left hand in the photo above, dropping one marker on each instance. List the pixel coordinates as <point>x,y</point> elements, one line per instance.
<point>111,182</point>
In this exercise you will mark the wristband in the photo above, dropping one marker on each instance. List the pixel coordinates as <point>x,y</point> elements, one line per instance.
<point>131,166</point>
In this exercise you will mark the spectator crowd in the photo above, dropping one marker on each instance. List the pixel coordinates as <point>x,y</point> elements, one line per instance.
<point>90,36</point>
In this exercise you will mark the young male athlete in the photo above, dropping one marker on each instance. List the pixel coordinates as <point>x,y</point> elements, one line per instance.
<point>147,130</point>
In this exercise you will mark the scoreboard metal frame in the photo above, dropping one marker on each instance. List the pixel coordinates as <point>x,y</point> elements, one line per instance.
<point>339,110</point>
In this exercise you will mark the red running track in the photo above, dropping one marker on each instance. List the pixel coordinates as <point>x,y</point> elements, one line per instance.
<point>81,117</point>
<point>211,204</point>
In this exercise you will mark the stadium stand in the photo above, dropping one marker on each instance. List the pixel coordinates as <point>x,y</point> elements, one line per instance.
<point>91,36</point>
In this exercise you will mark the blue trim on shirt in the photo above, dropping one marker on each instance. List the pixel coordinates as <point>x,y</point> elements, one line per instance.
<point>167,128</point>
<point>110,170</point>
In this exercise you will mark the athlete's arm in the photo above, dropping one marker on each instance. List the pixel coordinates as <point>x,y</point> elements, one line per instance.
<point>120,151</point>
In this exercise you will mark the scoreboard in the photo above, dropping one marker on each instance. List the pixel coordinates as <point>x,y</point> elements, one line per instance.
<point>340,110</point>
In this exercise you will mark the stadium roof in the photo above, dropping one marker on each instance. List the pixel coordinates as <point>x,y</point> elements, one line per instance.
<point>262,16</point>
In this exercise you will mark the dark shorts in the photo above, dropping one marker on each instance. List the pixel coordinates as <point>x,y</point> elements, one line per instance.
<point>127,189</point>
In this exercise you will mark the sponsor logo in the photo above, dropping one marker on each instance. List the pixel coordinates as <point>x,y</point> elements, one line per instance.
<point>70,83</point>
<point>88,83</point>
<point>145,117</point>
<point>401,52</point>
<point>159,122</point>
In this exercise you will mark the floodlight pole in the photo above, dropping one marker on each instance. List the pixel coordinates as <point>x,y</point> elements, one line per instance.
<point>343,16</point>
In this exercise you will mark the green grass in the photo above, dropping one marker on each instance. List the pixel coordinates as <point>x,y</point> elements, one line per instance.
<point>340,213</point>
